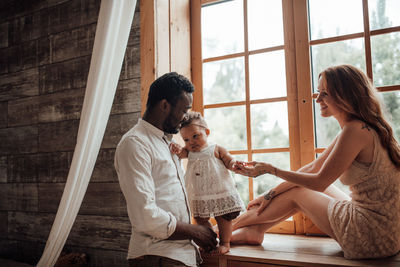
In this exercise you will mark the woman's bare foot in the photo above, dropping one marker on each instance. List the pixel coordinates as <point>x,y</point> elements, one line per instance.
<point>251,235</point>
<point>221,249</point>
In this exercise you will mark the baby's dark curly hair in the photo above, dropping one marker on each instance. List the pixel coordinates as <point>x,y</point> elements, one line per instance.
<point>194,117</point>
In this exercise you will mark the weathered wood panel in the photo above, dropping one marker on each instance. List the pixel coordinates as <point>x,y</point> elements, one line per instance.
<point>43,51</point>
<point>100,232</point>
<point>54,167</point>
<point>22,196</point>
<point>21,56</point>
<point>104,170</point>
<point>28,252</point>
<point>23,168</point>
<point>74,43</point>
<point>3,169</point>
<point>3,197</point>
<point>20,84</point>
<point>58,136</point>
<point>4,34</point>
<point>11,8</point>
<point>131,63</point>
<point>117,126</point>
<point>29,27</point>
<point>49,196</point>
<point>18,140</point>
<point>8,248</point>
<point>3,224</point>
<point>71,74</point>
<point>3,114</point>
<point>104,232</point>
<point>127,97</point>
<point>100,199</point>
<point>104,199</point>
<point>134,35</point>
<point>72,14</point>
<point>29,226</point>
<point>66,105</point>
<point>23,111</point>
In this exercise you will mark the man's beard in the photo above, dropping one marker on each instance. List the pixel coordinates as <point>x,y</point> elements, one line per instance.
<point>169,128</point>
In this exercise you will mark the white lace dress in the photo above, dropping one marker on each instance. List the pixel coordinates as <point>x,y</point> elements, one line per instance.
<point>210,186</point>
<point>368,226</point>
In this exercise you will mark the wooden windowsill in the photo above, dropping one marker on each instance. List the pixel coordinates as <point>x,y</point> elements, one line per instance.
<point>292,250</point>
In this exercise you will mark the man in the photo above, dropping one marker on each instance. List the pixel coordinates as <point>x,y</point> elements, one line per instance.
<point>151,180</point>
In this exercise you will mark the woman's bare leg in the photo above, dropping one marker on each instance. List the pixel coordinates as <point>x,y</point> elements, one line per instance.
<point>313,204</point>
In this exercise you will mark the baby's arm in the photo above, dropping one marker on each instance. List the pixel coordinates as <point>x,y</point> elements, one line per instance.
<point>226,158</point>
<point>181,152</point>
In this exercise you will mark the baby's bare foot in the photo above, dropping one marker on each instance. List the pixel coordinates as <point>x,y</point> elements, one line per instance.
<point>221,249</point>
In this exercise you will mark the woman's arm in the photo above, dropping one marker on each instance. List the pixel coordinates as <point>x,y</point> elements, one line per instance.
<point>348,145</point>
<point>315,165</point>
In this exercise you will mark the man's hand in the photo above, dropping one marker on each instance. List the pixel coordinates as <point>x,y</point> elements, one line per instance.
<point>202,235</point>
<point>205,237</point>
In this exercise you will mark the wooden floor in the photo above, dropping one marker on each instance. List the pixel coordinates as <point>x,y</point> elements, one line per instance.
<point>292,250</point>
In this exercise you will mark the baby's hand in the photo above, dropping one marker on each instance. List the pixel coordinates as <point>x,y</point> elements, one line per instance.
<point>175,148</point>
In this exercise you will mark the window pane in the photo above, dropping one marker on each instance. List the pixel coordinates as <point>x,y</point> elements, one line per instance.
<point>227,127</point>
<point>223,81</point>
<point>335,18</point>
<point>391,101</point>
<point>269,125</point>
<point>267,75</point>
<point>326,128</point>
<point>331,54</point>
<point>385,57</point>
<point>242,182</point>
<point>383,14</point>
<point>266,182</point>
<point>222,28</point>
<point>265,23</point>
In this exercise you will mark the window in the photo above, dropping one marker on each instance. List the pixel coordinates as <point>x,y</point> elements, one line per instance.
<point>255,65</point>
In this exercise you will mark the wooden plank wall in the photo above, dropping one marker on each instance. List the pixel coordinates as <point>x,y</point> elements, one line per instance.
<point>45,51</point>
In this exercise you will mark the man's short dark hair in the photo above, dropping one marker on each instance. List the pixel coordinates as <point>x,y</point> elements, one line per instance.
<point>169,86</point>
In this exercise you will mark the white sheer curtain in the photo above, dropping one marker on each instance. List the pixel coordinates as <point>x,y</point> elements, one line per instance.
<point>112,33</point>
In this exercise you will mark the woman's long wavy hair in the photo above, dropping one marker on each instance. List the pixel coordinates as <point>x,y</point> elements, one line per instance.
<point>355,94</point>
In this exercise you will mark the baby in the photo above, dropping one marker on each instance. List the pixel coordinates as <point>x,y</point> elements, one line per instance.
<point>210,186</point>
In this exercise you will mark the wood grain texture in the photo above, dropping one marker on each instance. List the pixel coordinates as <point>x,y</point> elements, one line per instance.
<point>73,43</point>
<point>127,97</point>
<point>293,250</point>
<point>58,136</point>
<point>19,196</point>
<point>18,140</point>
<point>3,169</point>
<point>54,167</point>
<point>22,168</point>
<point>3,114</point>
<point>19,84</point>
<point>70,74</point>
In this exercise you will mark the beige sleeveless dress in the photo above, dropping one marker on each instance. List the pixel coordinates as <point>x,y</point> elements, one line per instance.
<point>368,226</point>
<point>210,186</point>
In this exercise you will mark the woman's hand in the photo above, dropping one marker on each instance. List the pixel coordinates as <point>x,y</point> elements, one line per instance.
<point>261,202</point>
<point>253,168</point>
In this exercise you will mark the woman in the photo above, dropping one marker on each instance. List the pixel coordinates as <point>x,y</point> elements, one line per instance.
<point>365,156</point>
